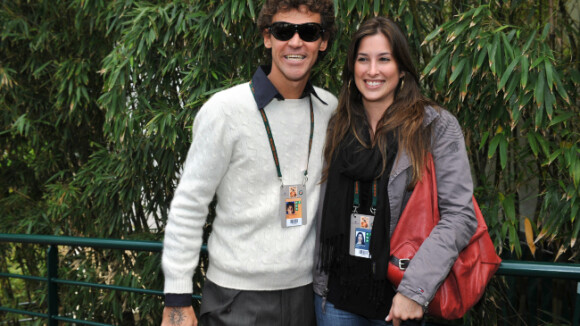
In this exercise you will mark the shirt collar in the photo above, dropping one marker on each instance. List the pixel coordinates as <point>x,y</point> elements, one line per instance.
<point>264,91</point>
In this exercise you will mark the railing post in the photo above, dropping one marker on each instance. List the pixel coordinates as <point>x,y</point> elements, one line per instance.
<point>577,307</point>
<point>52,273</point>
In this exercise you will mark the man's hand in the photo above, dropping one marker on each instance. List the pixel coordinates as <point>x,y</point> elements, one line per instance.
<point>179,316</point>
<point>404,308</point>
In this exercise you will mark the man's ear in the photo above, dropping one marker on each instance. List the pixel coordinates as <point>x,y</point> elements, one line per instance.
<point>323,45</point>
<point>267,40</point>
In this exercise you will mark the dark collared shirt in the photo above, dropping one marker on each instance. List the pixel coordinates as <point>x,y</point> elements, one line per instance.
<point>264,91</point>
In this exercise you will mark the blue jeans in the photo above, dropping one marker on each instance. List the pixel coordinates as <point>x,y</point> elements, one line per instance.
<point>332,316</point>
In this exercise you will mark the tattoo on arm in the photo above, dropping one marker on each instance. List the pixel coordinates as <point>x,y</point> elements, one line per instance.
<point>176,316</point>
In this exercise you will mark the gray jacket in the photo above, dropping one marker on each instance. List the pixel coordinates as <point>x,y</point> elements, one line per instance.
<point>437,254</point>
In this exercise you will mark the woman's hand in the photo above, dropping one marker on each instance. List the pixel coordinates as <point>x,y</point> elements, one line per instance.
<point>179,316</point>
<point>404,308</point>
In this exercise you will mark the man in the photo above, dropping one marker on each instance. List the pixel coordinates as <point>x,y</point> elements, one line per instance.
<point>252,145</point>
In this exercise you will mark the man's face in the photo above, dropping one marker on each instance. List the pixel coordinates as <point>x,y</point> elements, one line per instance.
<point>293,59</point>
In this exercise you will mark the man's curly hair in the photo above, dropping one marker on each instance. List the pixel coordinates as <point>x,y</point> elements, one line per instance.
<point>324,7</point>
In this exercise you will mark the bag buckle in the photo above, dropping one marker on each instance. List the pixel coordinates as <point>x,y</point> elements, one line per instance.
<point>404,263</point>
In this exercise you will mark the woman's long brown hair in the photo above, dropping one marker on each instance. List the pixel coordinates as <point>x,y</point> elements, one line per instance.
<point>404,116</point>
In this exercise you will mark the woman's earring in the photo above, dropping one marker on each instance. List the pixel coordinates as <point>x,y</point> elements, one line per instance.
<point>402,83</point>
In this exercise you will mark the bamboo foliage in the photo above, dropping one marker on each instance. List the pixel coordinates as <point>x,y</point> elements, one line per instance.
<point>97,99</point>
<point>505,82</point>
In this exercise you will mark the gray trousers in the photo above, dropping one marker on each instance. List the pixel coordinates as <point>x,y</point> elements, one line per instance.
<point>223,306</point>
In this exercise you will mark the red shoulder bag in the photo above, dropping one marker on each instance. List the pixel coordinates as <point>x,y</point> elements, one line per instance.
<point>474,267</point>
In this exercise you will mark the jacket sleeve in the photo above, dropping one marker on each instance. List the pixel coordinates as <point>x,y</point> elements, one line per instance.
<point>206,163</point>
<point>432,262</point>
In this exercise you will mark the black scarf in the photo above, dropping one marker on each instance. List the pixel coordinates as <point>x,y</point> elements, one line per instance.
<point>353,162</point>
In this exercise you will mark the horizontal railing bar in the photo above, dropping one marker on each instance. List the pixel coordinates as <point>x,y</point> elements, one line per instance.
<point>24,277</point>
<point>107,286</point>
<point>115,287</point>
<point>540,269</point>
<point>24,312</point>
<point>154,246</point>
<point>78,321</point>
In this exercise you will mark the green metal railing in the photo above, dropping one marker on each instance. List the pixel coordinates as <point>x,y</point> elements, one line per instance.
<point>507,268</point>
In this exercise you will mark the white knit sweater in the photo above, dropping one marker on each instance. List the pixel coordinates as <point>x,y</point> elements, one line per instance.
<point>230,156</point>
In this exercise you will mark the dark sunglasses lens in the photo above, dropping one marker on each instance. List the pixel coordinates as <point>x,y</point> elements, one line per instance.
<point>282,31</point>
<point>309,32</point>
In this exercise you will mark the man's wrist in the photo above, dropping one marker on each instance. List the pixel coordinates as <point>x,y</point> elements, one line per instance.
<point>178,299</point>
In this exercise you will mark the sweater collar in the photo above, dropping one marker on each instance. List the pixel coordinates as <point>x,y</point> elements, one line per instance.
<point>265,91</point>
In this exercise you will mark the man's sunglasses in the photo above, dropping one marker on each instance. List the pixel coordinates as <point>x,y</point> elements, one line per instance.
<point>308,32</point>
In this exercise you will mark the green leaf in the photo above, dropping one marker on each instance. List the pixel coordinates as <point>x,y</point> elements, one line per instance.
<point>457,31</point>
<point>539,89</point>
<point>549,73</point>
<point>251,7</point>
<point>553,156</point>
<point>37,71</point>
<point>507,47</point>
<point>465,80</point>
<point>493,145</point>
<point>529,42</point>
<point>515,114</point>
<point>492,54</point>
<point>525,70</point>
<point>457,70</point>
<point>350,7</point>
<point>512,86</point>
<point>402,6</point>
<point>560,88</point>
<point>509,208</point>
<point>539,116</point>
<point>576,225</point>
<point>478,10</point>
<point>480,58</point>
<point>442,75</point>
<point>524,100</point>
<point>537,62</point>
<point>444,52</point>
<point>533,144</point>
<point>499,29</point>
<point>549,100</point>
<point>366,8</point>
<point>484,137</point>
<point>507,73</point>
<point>576,172</point>
<point>545,32</point>
<point>432,35</point>
<point>504,230</point>
<point>503,147</point>
<point>543,144</point>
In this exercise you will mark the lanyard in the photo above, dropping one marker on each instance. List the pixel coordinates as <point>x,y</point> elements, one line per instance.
<point>273,145</point>
<point>356,198</point>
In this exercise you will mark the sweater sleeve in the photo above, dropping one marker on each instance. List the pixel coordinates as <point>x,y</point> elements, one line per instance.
<point>206,163</point>
<point>432,262</point>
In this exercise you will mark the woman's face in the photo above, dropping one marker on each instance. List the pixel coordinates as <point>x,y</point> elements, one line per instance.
<point>359,238</point>
<point>376,73</point>
<point>289,209</point>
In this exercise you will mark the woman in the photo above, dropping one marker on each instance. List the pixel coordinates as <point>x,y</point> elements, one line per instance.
<point>377,145</point>
<point>360,238</point>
